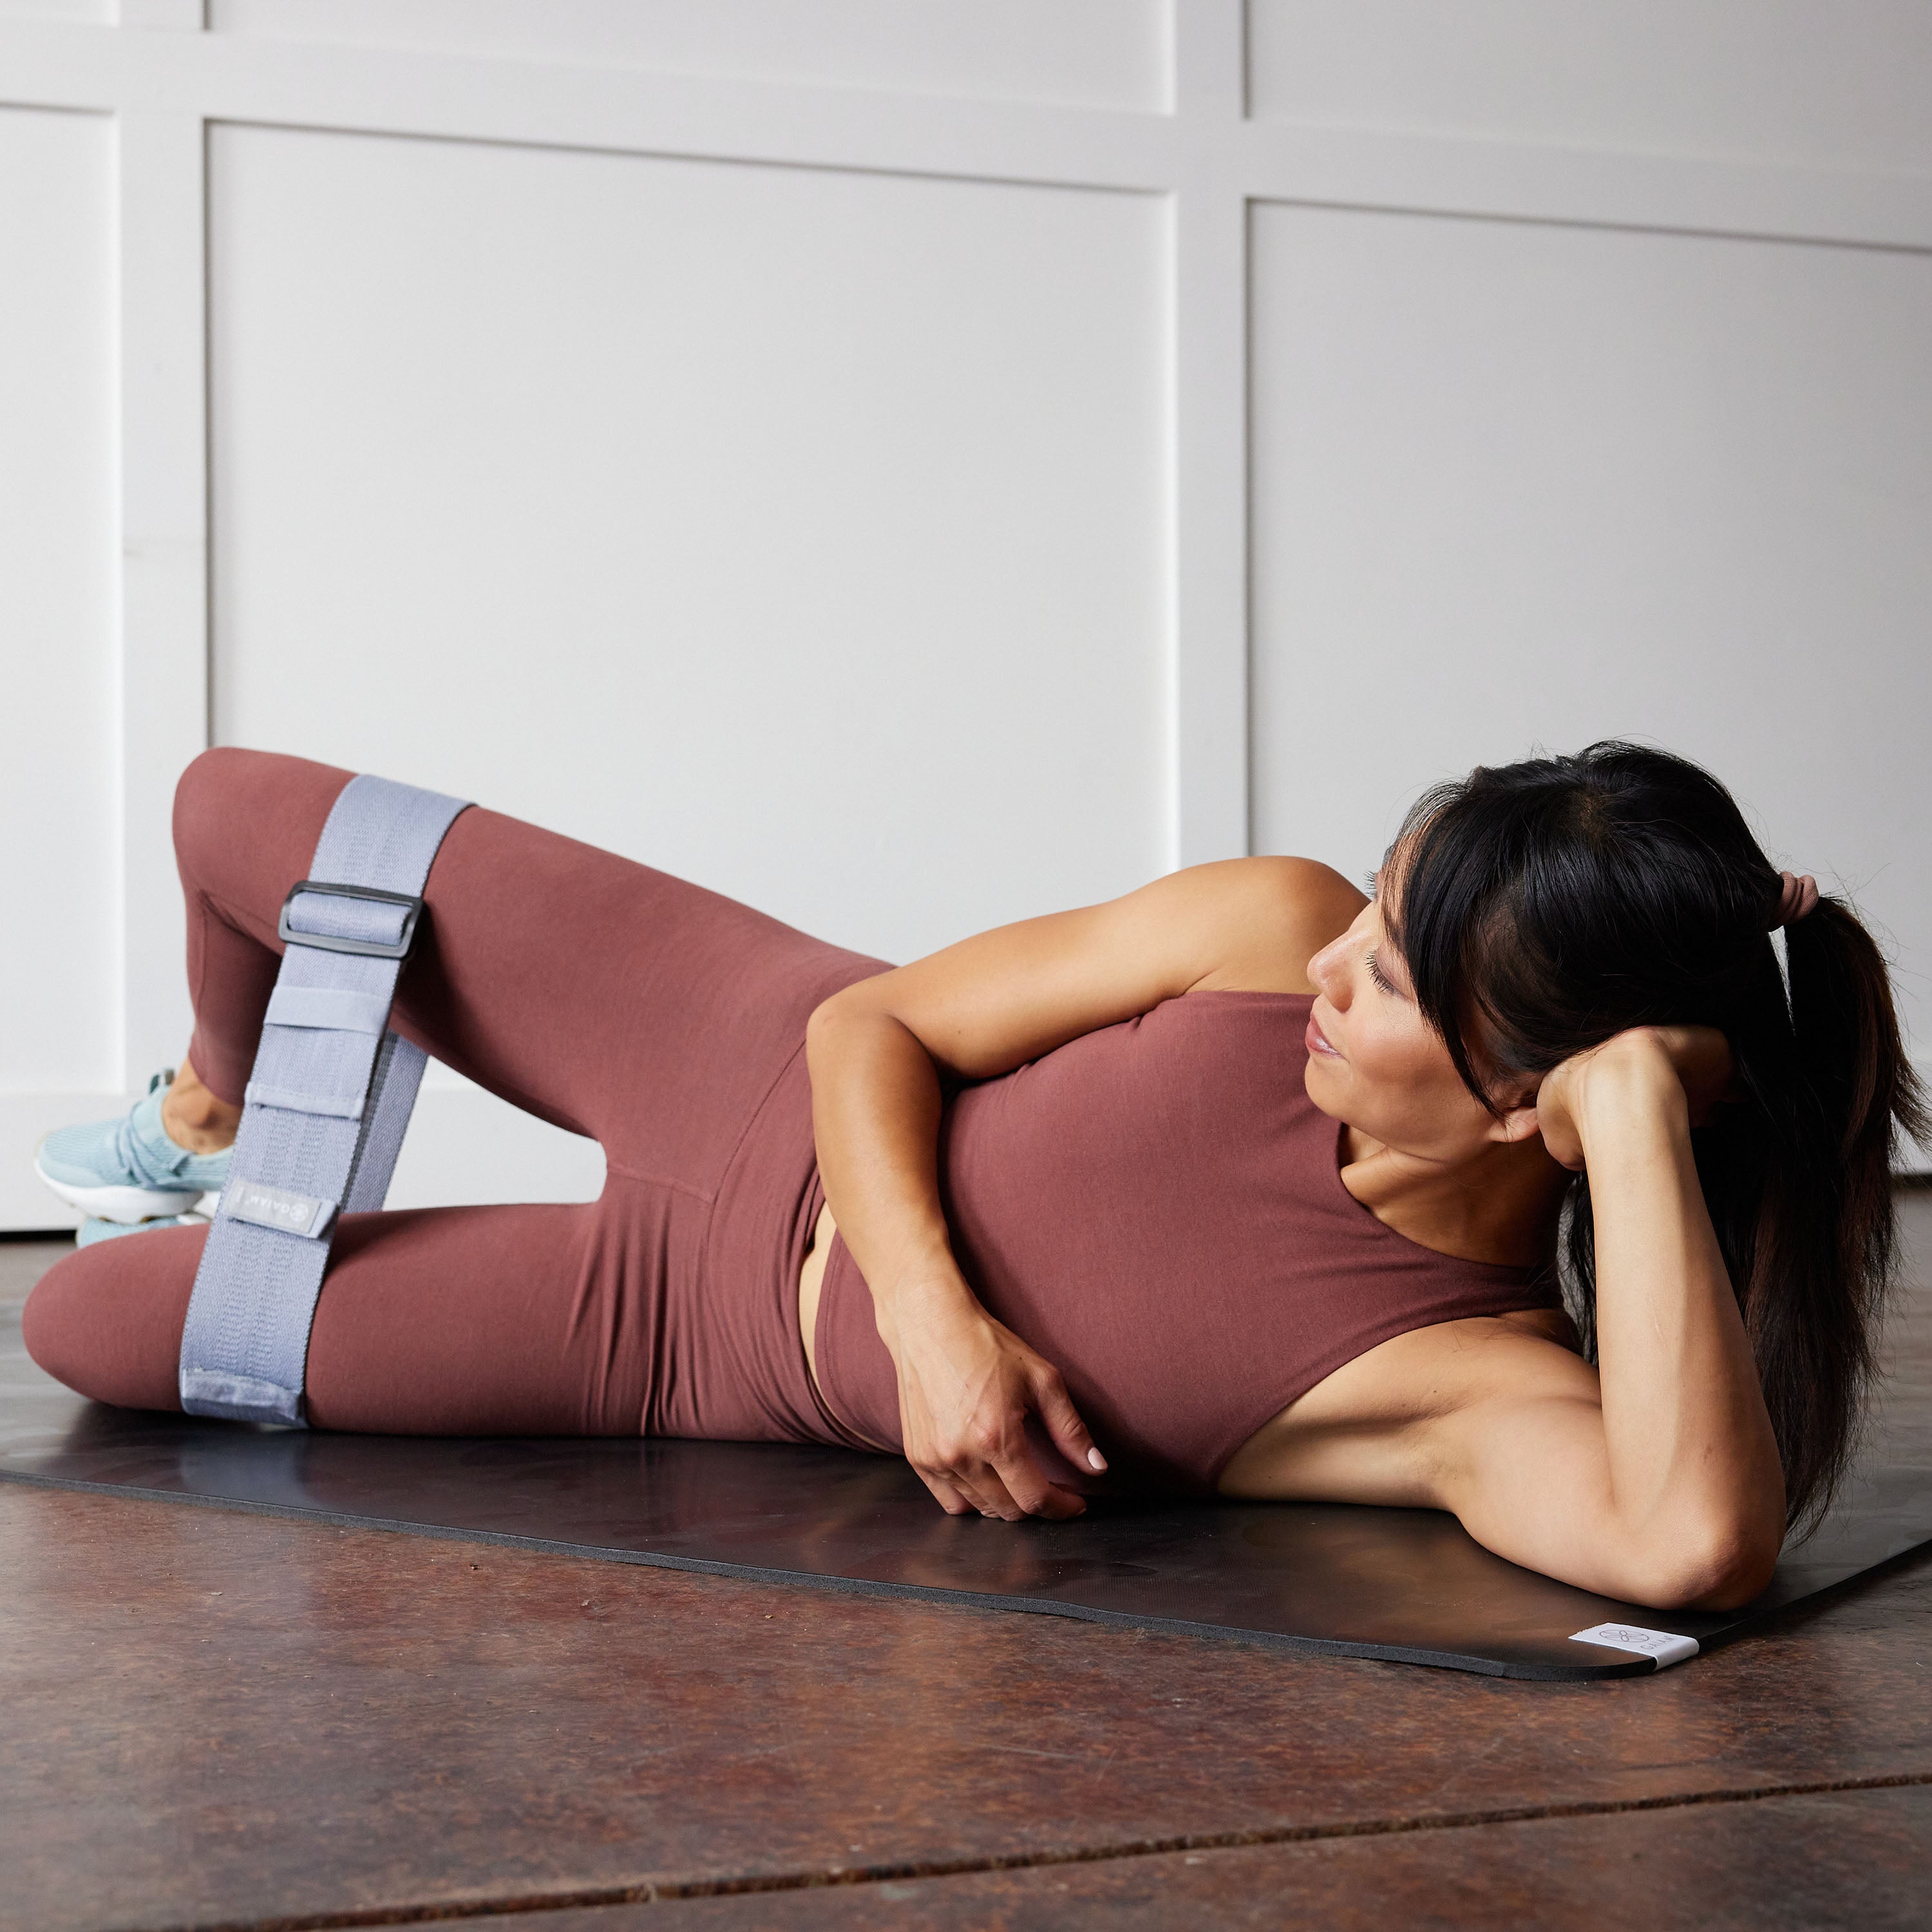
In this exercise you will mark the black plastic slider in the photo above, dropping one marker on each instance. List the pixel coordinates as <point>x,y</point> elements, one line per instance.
<point>374,949</point>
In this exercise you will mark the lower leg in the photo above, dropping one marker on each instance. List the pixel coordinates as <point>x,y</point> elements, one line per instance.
<point>194,1118</point>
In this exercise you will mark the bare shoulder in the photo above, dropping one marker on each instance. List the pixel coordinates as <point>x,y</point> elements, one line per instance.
<point>1274,915</point>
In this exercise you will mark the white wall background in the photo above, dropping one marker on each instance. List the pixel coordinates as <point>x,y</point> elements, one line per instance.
<point>913,463</point>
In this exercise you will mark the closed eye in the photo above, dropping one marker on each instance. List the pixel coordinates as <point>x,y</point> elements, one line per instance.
<point>1381,978</point>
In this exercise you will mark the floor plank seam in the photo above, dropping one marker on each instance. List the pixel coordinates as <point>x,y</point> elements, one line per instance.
<point>656,1891</point>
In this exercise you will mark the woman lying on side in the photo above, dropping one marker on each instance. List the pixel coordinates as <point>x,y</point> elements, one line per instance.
<point>1265,1182</point>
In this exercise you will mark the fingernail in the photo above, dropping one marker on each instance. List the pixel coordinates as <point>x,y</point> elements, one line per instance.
<point>1095,1460</point>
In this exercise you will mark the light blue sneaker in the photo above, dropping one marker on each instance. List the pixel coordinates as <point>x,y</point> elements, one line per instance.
<point>93,1229</point>
<point>128,1170</point>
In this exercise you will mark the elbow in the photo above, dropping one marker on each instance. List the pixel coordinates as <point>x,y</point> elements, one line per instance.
<point>826,1019</point>
<point>845,1030</point>
<point>1722,1567</point>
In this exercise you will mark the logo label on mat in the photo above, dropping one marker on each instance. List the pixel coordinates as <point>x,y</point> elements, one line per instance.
<point>1664,1645</point>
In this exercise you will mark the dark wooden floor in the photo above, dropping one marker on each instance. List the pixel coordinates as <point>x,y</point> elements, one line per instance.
<point>209,1718</point>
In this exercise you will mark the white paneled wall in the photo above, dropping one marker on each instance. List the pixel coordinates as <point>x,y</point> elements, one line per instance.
<point>1520,483</point>
<point>1783,81</point>
<point>815,550</point>
<point>59,734</point>
<point>912,463</point>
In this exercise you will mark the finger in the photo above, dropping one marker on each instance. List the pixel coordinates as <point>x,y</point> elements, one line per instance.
<point>1063,1424</point>
<point>953,1480</point>
<point>974,1464</point>
<point>983,1486</point>
<point>996,1499</point>
<point>1029,1488</point>
<point>1558,1142</point>
<point>1062,1504</point>
<point>945,1493</point>
<point>968,1479</point>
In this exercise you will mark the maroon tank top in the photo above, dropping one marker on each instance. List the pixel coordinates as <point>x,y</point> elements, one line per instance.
<point>1158,1209</point>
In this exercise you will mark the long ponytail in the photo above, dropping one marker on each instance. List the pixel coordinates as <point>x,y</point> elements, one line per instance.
<point>1831,1224</point>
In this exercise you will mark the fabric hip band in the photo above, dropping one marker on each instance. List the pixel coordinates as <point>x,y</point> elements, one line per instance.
<point>327,1104</point>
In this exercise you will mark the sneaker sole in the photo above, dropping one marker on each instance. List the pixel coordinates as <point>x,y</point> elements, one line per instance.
<point>121,1203</point>
<point>109,1230</point>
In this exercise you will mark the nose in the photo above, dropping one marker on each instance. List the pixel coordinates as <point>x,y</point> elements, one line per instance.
<point>1328,973</point>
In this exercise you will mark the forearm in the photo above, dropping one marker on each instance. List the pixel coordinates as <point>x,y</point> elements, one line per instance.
<point>1690,1461</point>
<point>967,1384</point>
<point>876,1103</point>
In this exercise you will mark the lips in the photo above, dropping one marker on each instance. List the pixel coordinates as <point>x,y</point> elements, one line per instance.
<point>1319,1041</point>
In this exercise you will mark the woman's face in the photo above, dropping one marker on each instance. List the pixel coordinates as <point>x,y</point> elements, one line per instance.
<point>1376,1063</point>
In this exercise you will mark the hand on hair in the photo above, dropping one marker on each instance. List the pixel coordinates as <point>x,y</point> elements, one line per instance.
<point>1647,1067</point>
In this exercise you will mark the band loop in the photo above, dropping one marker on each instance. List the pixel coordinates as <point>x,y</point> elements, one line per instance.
<point>326,1106</point>
<point>328,1008</point>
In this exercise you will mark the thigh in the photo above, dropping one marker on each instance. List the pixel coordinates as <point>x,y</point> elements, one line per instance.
<point>534,1320</point>
<point>612,999</point>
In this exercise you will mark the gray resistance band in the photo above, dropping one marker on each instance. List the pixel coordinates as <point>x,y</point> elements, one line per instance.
<point>326,1108</point>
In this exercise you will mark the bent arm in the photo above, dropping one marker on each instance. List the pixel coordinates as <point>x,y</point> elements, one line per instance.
<point>1667,1489</point>
<point>877,1054</point>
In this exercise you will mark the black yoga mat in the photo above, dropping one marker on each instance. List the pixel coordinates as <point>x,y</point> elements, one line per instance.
<point>1405,1585</point>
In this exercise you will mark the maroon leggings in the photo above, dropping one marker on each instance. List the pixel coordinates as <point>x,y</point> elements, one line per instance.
<point>663,1021</point>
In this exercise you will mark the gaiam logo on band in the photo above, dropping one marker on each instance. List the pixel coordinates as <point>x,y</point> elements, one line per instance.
<point>280,1208</point>
<point>298,1214</point>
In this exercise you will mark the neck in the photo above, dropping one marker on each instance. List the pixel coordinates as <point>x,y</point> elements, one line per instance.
<point>1499,1206</point>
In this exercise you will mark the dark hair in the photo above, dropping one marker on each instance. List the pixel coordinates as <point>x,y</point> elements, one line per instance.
<point>1547,905</point>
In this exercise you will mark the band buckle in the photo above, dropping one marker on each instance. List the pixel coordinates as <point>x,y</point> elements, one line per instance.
<point>373,949</point>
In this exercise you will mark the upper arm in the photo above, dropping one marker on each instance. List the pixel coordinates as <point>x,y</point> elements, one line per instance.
<point>1525,1464</point>
<point>1503,1426</point>
<point>1487,1417</point>
<point>1522,1460</point>
<point>985,1005</point>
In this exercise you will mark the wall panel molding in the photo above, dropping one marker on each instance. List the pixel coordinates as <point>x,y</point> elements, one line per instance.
<point>1209,378</point>
<point>457,98</point>
<point>164,637</point>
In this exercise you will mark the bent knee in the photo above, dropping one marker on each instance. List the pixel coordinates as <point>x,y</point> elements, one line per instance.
<point>230,787</point>
<point>107,1320</point>
<point>209,798</point>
